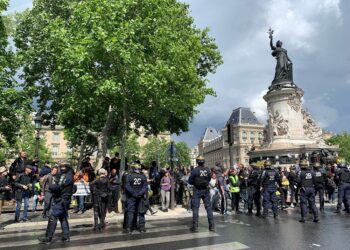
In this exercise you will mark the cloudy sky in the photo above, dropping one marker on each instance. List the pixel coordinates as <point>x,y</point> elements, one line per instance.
<point>316,35</point>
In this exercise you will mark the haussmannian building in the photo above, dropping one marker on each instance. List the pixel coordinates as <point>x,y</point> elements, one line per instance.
<point>247,133</point>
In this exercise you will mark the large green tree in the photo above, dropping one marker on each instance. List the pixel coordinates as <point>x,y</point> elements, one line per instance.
<point>13,101</point>
<point>106,65</point>
<point>156,150</point>
<point>343,140</point>
<point>183,154</point>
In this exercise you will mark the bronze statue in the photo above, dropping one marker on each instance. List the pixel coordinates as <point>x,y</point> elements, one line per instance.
<point>284,70</point>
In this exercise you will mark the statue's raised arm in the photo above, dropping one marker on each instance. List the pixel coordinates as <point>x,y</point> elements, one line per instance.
<point>270,32</point>
<point>283,70</point>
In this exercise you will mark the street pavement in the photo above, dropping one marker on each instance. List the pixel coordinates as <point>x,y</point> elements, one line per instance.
<point>171,231</point>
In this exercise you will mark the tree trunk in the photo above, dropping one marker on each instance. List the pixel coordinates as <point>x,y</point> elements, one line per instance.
<point>102,139</point>
<point>81,153</point>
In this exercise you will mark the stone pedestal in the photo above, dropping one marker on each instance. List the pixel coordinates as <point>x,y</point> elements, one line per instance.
<point>290,130</point>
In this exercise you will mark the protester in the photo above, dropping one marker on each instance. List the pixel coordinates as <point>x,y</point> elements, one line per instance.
<point>46,182</point>
<point>5,190</point>
<point>23,187</point>
<point>165,184</point>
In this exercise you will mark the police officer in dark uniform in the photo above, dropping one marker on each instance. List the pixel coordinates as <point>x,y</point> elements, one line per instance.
<point>100,188</point>
<point>343,178</point>
<point>254,194</point>
<point>200,178</point>
<point>136,188</point>
<point>269,181</point>
<point>59,212</point>
<point>307,182</point>
<point>320,183</point>
<point>66,182</point>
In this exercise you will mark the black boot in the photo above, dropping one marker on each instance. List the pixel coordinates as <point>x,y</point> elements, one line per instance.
<point>45,240</point>
<point>65,238</point>
<point>194,228</point>
<point>302,220</point>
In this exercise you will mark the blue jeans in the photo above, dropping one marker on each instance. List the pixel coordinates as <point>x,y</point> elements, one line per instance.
<point>25,198</point>
<point>80,203</point>
<point>35,202</point>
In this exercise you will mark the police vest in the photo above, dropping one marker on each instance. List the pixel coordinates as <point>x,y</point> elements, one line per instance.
<point>345,175</point>
<point>319,177</point>
<point>136,181</point>
<point>201,180</point>
<point>269,177</point>
<point>306,179</point>
<point>233,181</point>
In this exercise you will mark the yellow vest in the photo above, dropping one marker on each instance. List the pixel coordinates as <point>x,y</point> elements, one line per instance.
<point>234,180</point>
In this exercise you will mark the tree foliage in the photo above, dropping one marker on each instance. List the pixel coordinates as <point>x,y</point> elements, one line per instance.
<point>132,147</point>
<point>103,65</point>
<point>156,150</point>
<point>26,141</point>
<point>13,101</point>
<point>183,154</point>
<point>343,140</point>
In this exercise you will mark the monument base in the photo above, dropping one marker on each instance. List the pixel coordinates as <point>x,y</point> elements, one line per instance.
<point>289,154</point>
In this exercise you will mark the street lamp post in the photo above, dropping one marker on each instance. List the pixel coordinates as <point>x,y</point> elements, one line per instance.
<point>38,121</point>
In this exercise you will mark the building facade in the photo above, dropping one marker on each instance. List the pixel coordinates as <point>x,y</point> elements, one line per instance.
<point>247,133</point>
<point>56,142</point>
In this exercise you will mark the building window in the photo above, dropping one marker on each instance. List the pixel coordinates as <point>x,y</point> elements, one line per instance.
<point>54,150</point>
<point>244,136</point>
<point>252,135</point>
<point>56,137</point>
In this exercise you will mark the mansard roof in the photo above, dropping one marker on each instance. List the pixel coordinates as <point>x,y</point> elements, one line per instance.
<point>243,116</point>
<point>209,134</point>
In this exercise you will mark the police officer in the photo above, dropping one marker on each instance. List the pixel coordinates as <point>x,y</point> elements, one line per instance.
<point>343,177</point>
<point>200,178</point>
<point>320,184</point>
<point>270,179</point>
<point>307,181</point>
<point>59,212</point>
<point>136,188</point>
<point>100,189</point>
<point>254,194</point>
<point>66,182</point>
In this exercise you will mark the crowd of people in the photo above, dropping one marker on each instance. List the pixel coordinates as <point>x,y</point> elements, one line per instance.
<point>246,189</point>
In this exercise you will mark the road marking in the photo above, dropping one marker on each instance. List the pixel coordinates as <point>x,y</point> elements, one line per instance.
<point>226,246</point>
<point>143,242</point>
<point>90,236</point>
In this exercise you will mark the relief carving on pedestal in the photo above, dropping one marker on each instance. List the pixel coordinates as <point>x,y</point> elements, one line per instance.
<point>311,130</point>
<point>278,124</point>
<point>294,102</point>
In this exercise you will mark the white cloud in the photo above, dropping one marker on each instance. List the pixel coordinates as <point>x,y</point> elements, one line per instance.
<point>259,106</point>
<point>298,21</point>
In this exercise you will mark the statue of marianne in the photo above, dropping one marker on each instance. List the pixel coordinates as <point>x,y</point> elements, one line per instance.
<point>283,69</point>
